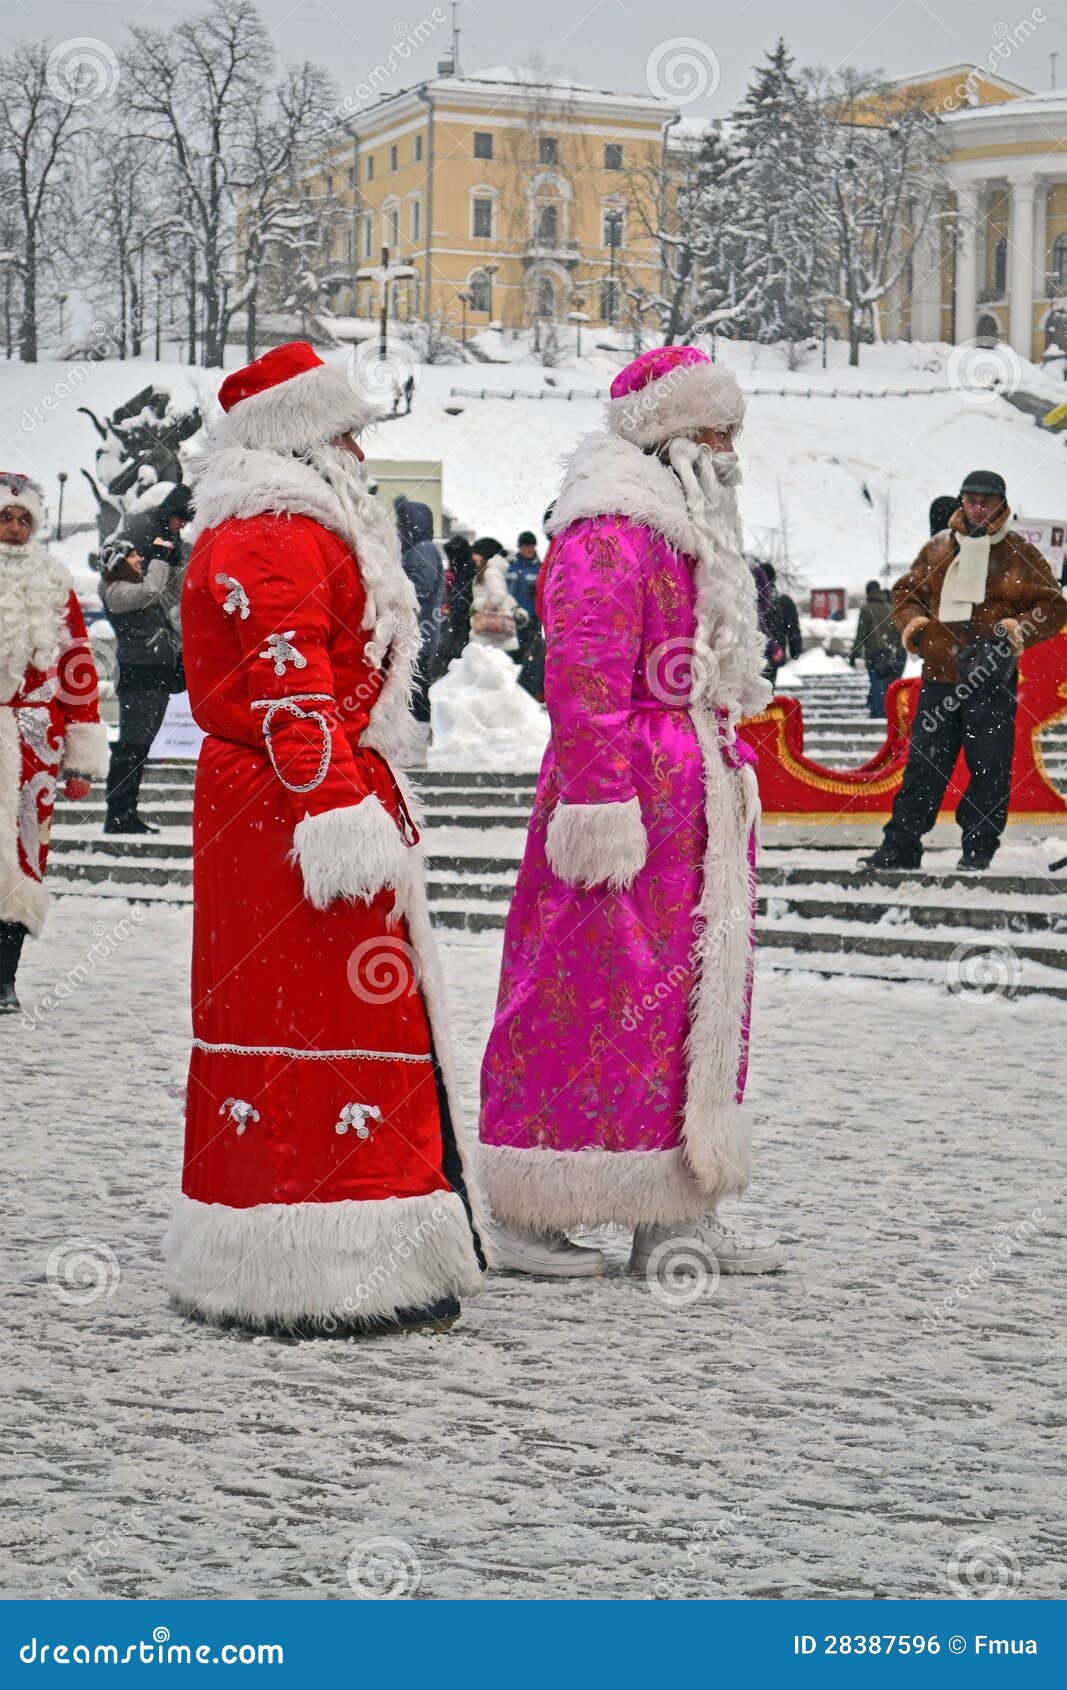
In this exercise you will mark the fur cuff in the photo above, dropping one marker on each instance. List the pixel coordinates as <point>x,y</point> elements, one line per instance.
<point>548,1189</point>
<point>913,627</point>
<point>22,900</point>
<point>86,750</point>
<point>691,397</point>
<point>594,844</point>
<point>354,853</point>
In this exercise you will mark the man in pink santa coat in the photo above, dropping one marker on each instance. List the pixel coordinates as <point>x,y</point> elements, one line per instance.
<point>613,1077</point>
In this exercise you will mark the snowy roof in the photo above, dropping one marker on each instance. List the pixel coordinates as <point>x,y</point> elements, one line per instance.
<point>1052,102</point>
<point>964,72</point>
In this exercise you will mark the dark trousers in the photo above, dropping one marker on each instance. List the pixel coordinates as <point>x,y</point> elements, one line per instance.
<point>12,934</point>
<point>981,721</point>
<point>877,687</point>
<point>142,707</point>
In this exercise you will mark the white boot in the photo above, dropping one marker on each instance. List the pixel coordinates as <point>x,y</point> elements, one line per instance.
<point>710,1237</point>
<point>549,1253</point>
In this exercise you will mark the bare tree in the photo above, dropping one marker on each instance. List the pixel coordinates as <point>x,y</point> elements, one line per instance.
<point>40,122</point>
<point>192,90</point>
<point>871,182</point>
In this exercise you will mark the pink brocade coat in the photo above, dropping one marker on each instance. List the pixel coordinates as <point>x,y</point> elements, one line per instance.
<point>617,1058</point>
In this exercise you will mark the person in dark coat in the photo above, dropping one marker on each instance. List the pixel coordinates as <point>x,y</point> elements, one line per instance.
<point>783,624</point>
<point>521,577</point>
<point>460,589</point>
<point>941,509</point>
<point>976,596</point>
<point>424,569</point>
<point>878,642</point>
<point>143,566</point>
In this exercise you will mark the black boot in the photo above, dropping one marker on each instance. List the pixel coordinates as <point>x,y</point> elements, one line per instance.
<point>12,935</point>
<point>975,858</point>
<point>891,856</point>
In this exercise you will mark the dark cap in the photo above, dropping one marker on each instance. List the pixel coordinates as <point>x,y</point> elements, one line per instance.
<point>985,481</point>
<point>178,502</point>
<point>487,548</point>
<point>527,538</point>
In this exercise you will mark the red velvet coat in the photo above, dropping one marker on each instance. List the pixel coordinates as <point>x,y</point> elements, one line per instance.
<point>316,1137</point>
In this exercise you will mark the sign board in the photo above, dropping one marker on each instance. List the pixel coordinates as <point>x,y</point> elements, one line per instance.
<point>415,478</point>
<point>179,736</point>
<point>1048,535</point>
<point>829,604</point>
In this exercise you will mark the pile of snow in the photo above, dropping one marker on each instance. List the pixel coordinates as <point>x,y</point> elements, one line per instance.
<point>482,719</point>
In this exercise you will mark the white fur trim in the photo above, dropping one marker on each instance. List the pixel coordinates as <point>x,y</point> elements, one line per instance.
<point>691,397</point>
<point>21,899</point>
<point>354,852</point>
<point>548,1189</point>
<point>277,1264</point>
<point>605,476</point>
<point>715,1129</point>
<point>303,411</point>
<point>34,591</point>
<point>236,482</point>
<point>86,749</point>
<point>594,844</point>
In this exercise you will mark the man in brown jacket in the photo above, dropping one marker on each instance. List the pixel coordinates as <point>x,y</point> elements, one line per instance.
<point>976,596</point>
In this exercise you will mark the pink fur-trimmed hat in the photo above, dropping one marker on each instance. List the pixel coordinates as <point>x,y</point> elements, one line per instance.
<point>670,391</point>
<point>290,399</point>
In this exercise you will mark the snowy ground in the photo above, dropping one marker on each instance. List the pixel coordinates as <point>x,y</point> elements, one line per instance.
<point>888,1411</point>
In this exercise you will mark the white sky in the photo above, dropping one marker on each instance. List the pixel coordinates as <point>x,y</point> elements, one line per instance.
<point>610,42</point>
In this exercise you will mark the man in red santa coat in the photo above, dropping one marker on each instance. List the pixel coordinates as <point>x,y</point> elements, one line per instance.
<point>50,728</point>
<point>323,1186</point>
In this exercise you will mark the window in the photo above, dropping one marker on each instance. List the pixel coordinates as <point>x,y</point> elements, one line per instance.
<point>368,237</point>
<point>609,301</point>
<point>1059,261</point>
<point>416,218</point>
<point>418,148</point>
<point>370,167</point>
<point>483,144</point>
<point>351,246</point>
<point>480,293</point>
<point>611,227</point>
<point>482,219</point>
<point>328,184</point>
<point>1000,267</point>
<point>548,224</point>
<point>392,223</point>
<point>548,149</point>
<point>392,158</point>
<point>613,155</point>
<point>351,176</point>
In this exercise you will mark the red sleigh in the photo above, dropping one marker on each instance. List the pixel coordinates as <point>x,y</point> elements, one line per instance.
<point>794,788</point>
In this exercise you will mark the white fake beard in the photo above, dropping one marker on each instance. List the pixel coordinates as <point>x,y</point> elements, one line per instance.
<point>727,620</point>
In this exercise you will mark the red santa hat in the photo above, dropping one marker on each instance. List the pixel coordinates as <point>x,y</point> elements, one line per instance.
<point>289,400</point>
<point>670,391</point>
<point>16,488</point>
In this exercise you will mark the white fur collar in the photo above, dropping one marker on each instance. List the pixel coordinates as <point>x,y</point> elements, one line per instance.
<point>34,590</point>
<point>606,476</point>
<point>235,482</point>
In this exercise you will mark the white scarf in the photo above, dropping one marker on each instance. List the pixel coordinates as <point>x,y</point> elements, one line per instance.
<point>729,673</point>
<point>34,589</point>
<point>967,576</point>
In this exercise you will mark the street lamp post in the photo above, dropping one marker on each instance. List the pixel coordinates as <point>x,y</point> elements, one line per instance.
<point>577,318</point>
<point>489,271</point>
<point>157,277</point>
<point>62,301</point>
<point>465,299</point>
<point>613,229</point>
<point>62,478</point>
<point>383,319</point>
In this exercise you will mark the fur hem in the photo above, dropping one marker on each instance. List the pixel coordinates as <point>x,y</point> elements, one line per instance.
<point>686,399</point>
<point>306,410</point>
<point>546,1190</point>
<point>355,852</point>
<point>606,476</point>
<point>22,900</point>
<point>597,844</point>
<point>86,749</point>
<point>280,1264</point>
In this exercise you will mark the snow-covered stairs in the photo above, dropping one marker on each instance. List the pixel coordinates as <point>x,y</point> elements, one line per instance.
<point>816,911</point>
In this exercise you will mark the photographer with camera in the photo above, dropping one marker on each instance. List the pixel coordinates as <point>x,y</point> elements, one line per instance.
<point>976,596</point>
<point>142,568</point>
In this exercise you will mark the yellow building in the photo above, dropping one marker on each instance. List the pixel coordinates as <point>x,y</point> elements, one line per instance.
<point>503,196</point>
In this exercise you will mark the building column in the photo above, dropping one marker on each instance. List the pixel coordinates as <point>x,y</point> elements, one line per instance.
<point>1021,268</point>
<point>926,279</point>
<point>966,262</point>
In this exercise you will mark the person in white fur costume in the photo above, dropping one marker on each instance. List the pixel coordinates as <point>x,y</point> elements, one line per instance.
<point>50,728</point>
